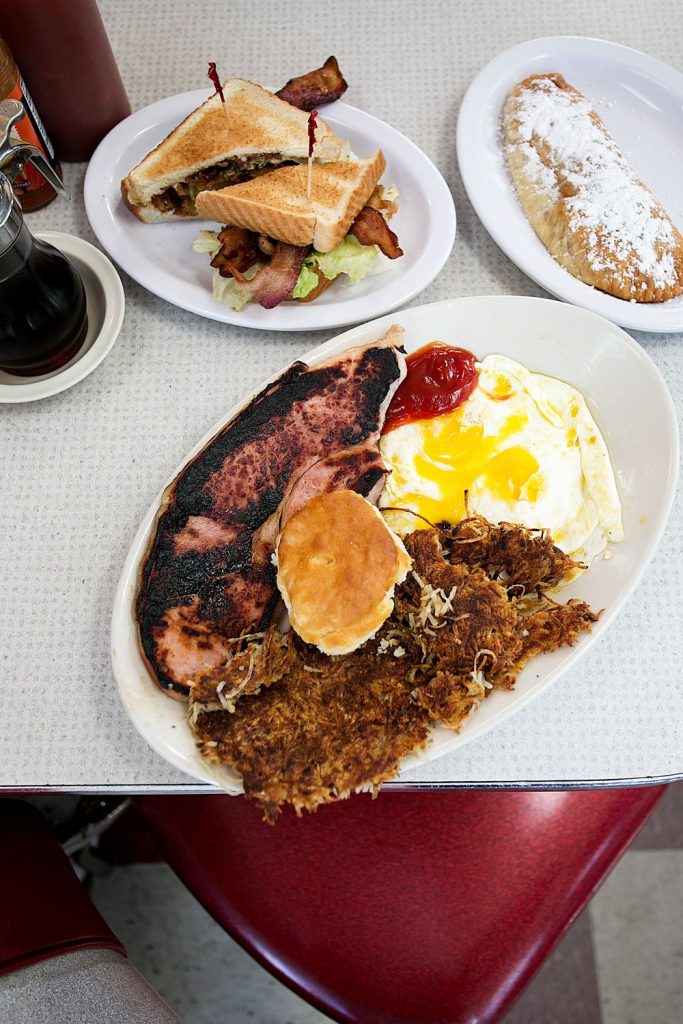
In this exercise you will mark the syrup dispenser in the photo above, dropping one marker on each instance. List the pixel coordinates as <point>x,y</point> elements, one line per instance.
<point>43,316</point>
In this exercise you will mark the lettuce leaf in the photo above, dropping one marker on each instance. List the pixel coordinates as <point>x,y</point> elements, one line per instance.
<point>227,290</point>
<point>206,241</point>
<point>349,257</point>
<point>307,282</point>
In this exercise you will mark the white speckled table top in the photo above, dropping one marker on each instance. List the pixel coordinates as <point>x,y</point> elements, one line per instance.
<point>80,468</point>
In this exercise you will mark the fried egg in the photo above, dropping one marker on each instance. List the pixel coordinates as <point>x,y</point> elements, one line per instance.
<point>523,448</point>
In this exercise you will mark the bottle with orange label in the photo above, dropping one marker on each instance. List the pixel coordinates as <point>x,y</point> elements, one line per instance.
<point>31,187</point>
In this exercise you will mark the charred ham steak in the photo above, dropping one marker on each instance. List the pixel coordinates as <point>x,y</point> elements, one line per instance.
<point>208,576</point>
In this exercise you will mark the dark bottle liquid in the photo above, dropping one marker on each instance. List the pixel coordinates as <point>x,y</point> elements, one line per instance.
<point>43,318</point>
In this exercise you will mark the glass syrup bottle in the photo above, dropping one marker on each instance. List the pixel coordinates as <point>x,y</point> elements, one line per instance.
<point>43,315</point>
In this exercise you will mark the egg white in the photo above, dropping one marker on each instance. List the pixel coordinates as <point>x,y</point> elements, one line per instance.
<point>525,448</point>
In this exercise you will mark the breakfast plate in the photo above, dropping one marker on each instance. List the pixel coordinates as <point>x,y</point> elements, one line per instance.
<point>634,411</point>
<point>160,256</point>
<point>640,101</point>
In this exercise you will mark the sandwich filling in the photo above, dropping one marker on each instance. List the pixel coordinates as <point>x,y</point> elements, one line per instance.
<point>179,198</point>
<point>250,267</point>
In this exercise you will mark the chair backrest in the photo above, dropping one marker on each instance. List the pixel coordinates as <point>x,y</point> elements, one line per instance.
<point>420,906</point>
<point>45,909</point>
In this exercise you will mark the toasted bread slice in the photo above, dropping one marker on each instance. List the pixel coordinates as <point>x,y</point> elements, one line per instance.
<point>276,204</point>
<point>256,129</point>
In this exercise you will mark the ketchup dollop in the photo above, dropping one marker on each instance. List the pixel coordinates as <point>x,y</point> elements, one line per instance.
<point>440,378</point>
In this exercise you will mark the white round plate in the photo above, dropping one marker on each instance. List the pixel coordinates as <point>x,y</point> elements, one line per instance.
<point>106,305</point>
<point>634,411</point>
<point>640,101</point>
<point>160,256</point>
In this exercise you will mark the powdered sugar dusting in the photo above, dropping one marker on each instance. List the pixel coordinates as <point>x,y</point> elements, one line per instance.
<point>572,157</point>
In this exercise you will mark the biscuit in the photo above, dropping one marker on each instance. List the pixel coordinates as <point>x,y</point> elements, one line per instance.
<point>338,563</point>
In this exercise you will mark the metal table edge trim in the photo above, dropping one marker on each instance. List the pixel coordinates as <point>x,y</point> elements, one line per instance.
<point>198,787</point>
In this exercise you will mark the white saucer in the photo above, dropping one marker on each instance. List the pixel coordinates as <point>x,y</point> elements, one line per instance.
<point>105,303</point>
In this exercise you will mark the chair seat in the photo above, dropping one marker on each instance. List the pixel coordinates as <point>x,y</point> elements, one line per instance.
<point>79,987</point>
<point>421,905</point>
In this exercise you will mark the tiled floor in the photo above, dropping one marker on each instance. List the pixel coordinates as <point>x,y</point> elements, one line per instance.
<point>621,962</point>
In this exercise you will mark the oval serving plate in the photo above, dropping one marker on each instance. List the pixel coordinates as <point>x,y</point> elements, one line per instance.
<point>632,406</point>
<point>160,256</point>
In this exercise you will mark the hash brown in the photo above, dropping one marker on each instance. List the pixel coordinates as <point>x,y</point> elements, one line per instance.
<point>329,726</point>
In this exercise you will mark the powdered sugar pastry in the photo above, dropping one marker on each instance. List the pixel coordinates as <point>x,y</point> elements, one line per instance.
<point>583,198</point>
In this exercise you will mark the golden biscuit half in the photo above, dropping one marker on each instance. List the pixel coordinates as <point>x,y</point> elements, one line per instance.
<point>338,564</point>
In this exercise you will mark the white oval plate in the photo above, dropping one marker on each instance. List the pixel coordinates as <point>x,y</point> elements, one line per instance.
<point>634,411</point>
<point>641,102</point>
<point>160,256</point>
<point>105,303</point>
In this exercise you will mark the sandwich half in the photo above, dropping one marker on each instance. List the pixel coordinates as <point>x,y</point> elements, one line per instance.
<point>215,147</point>
<point>278,244</point>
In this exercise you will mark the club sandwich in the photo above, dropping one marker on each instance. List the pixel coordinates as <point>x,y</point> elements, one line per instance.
<point>218,145</point>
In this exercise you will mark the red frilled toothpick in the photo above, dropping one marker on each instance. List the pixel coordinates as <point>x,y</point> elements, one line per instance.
<point>213,75</point>
<point>312,125</point>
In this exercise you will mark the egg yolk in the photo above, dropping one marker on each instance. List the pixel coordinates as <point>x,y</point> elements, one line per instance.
<point>455,456</point>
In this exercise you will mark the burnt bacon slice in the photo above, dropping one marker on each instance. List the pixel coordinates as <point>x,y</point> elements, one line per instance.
<point>275,281</point>
<point>324,85</point>
<point>239,250</point>
<point>208,574</point>
<point>370,228</point>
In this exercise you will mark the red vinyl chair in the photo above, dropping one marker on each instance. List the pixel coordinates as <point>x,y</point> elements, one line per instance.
<point>59,960</point>
<point>419,907</point>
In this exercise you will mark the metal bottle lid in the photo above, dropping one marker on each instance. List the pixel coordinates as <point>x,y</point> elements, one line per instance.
<point>11,217</point>
<point>14,154</point>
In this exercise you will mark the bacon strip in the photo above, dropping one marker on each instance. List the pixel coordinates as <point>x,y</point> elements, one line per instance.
<point>324,85</point>
<point>276,281</point>
<point>239,250</point>
<point>370,228</point>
